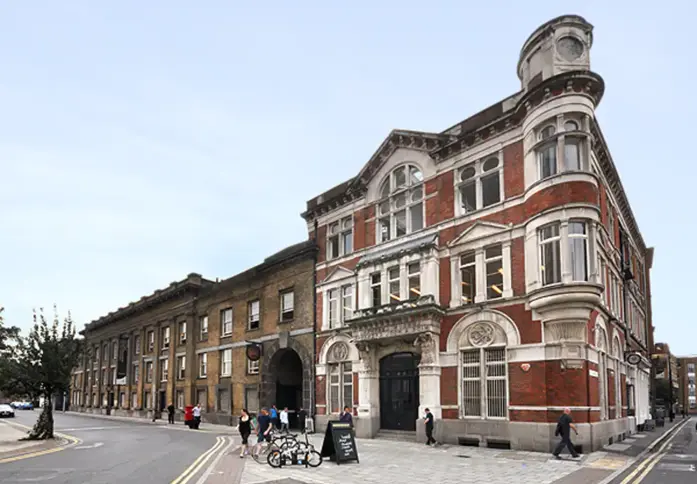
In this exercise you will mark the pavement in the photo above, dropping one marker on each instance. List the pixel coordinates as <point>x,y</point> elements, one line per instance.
<point>112,449</point>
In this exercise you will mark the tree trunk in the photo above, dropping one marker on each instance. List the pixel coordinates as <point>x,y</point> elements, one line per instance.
<point>43,429</point>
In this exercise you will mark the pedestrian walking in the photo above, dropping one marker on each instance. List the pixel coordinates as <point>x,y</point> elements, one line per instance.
<point>274,417</point>
<point>429,422</point>
<point>302,416</point>
<point>197,415</point>
<point>263,428</point>
<point>245,428</point>
<point>564,427</point>
<point>284,420</point>
<point>170,413</point>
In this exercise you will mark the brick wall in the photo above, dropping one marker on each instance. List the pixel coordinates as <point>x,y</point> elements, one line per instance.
<point>513,169</point>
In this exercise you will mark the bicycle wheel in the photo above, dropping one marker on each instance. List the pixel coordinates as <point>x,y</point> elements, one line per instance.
<point>260,454</point>
<point>314,458</point>
<point>274,458</point>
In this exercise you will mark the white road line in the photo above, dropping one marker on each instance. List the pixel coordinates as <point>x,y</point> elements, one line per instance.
<point>205,475</point>
<point>89,428</point>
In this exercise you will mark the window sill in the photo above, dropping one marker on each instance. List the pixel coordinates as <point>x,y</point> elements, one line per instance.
<point>251,330</point>
<point>226,335</point>
<point>285,321</point>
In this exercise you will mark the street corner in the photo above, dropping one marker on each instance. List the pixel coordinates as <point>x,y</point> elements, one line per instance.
<point>607,461</point>
<point>12,448</point>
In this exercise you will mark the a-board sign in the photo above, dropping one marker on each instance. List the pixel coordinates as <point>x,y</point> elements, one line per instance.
<point>338,443</point>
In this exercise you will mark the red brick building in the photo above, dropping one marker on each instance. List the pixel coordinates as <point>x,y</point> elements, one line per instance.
<point>492,272</point>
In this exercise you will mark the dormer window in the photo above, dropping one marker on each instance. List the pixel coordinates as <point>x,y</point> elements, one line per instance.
<point>400,208</point>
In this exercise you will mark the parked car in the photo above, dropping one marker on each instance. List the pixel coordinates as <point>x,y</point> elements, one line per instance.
<point>22,405</point>
<point>6,411</point>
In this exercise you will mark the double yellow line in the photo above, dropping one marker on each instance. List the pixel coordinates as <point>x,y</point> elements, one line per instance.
<point>72,442</point>
<point>196,466</point>
<point>648,464</point>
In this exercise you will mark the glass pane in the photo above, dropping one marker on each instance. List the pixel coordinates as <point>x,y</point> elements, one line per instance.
<point>400,178</point>
<point>415,175</point>
<point>468,196</point>
<point>400,200</point>
<point>384,229</point>
<point>414,281</point>
<point>469,284</point>
<point>348,396</point>
<point>347,223</point>
<point>579,259</point>
<point>490,164</point>
<point>467,258</point>
<point>494,279</point>
<point>572,157</point>
<point>394,291</point>
<point>549,232</point>
<point>400,219</point>
<point>377,296</point>
<point>467,173</point>
<point>492,251</point>
<point>347,302</point>
<point>334,228</point>
<point>547,132</point>
<point>551,265</point>
<point>334,399</point>
<point>570,126</point>
<point>577,228</point>
<point>548,161</point>
<point>347,242</point>
<point>417,217</point>
<point>334,246</point>
<point>385,190</point>
<point>417,194</point>
<point>384,208</point>
<point>491,192</point>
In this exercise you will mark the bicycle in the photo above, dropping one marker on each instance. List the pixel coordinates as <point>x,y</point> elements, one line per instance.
<point>298,454</point>
<point>275,441</point>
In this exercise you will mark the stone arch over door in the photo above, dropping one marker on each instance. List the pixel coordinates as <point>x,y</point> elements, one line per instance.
<point>273,355</point>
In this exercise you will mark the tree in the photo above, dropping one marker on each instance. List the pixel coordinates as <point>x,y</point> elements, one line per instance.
<point>7,336</point>
<point>41,366</point>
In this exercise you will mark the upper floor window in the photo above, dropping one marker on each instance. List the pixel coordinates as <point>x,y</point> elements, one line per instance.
<point>136,344</point>
<point>468,276</point>
<point>575,262</point>
<point>401,283</point>
<point>569,142</point>
<point>376,288</point>
<point>340,305</point>
<point>493,260</point>
<point>253,315</point>
<point>401,209</point>
<point>151,340</point>
<point>203,328</point>
<point>287,305</point>
<point>479,185</point>
<point>114,351</point>
<point>226,321</point>
<point>165,337</point>
<point>578,242</point>
<point>550,254</point>
<point>182,332</point>
<point>340,238</point>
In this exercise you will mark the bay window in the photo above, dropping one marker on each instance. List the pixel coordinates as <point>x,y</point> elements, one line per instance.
<point>547,152</point>
<point>569,143</point>
<point>400,209</point>
<point>550,254</point>
<point>479,185</point>
<point>578,244</point>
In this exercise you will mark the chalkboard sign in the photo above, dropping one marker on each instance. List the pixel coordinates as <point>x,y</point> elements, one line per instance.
<point>338,443</point>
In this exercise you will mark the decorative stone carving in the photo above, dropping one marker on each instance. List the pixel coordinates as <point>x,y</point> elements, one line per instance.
<point>365,352</point>
<point>427,343</point>
<point>481,334</point>
<point>339,352</point>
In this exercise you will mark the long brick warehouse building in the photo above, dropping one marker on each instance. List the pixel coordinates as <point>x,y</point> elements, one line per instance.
<point>492,272</point>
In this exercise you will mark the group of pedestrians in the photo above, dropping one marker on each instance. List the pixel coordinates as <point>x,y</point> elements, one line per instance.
<point>264,424</point>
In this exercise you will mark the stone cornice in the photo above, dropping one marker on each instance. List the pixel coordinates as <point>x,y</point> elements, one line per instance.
<point>404,319</point>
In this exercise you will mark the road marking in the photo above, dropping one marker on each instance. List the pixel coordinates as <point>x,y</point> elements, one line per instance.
<point>73,442</point>
<point>93,446</point>
<point>186,475</point>
<point>653,459</point>
<point>89,428</point>
<point>205,475</point>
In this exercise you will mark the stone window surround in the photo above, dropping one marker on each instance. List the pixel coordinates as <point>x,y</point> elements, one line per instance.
<point>324,361</point>
<point>406,189</point>
<point>503,238</point>
<point>558,138</point>
<point>494,152</point>
<point>340,234</point>
<point>429,277</point>
<point>532,249</point>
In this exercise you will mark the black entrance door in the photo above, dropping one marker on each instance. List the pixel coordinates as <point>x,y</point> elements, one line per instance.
<point>399,391</point>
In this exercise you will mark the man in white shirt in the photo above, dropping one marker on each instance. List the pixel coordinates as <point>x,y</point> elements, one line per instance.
<point>197,415</point>
<point>284,420</point>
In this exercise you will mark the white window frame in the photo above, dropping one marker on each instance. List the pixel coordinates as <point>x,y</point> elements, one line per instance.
<point>136,344</point>
<point>571,237</point>
<point>149,370</point>
<point>287,301</point>
<point>333,307</point>
<point>136,372</point>
<point>182,332</point>
<point>483,379</point>
<point>226,362</point>
<point>203,328</point>
<point>491,259</point>
<point>252,367</point>
<point>565,131</point>
<point>376,285</point>
<point>181,367</point>
<point>165,337</point>
<point>254,314</point>
<point>467,265</point>
<point>151,340</point>
<point>134,400</point>
<point>554,239</point>
<point>226,321</point>
<point>339,234</point>
<point>164,370</point>
<point>345,369</point>
<point>476,179</point>
<point>391,298</point>
<point>388,194</point>
<point>179,395</point>
<point>203,365</point>
<point>413,291</point>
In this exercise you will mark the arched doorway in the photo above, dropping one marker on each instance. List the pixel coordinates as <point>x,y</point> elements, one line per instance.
<point>399,391</point>
<point>287,371</point>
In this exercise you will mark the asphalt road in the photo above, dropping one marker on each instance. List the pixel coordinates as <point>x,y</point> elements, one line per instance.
<point>677,463</point>
<point>111,451</point>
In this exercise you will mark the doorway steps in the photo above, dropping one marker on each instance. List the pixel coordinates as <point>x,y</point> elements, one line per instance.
<point>396,435</point>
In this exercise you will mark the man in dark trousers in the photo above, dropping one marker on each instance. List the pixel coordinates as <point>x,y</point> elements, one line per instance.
<point>302,415</point>
<point>429,421</point>
<point>564,427</point>
<point>170,413</point>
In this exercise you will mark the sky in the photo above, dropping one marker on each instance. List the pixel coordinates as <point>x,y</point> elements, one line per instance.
<point>142,141</point>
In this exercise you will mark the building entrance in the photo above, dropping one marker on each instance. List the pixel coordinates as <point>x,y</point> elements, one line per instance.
<point>399,391</point>
<point>288,370</point>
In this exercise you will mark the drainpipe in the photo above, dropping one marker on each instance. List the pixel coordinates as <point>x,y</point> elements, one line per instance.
<point>314,326</point>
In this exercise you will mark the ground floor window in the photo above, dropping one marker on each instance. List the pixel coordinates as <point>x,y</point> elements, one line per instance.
<point>251,399</point>
<point>484,383</point>
<point>147,401</point>
<point>122,400</point>
<point>134,400</point>
<point>180,399</point>
<point>340,386</point>
<point>224,401</point>
<point>202,398</point>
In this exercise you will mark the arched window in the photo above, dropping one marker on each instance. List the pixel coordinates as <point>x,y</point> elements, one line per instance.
<point>547,152</point>
<point>339,378</point>
<point>400,208</point>
<point>570,140</point>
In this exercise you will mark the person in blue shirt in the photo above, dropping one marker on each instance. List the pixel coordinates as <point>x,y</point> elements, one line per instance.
<point>263,428</point>
<point>274,417</point>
